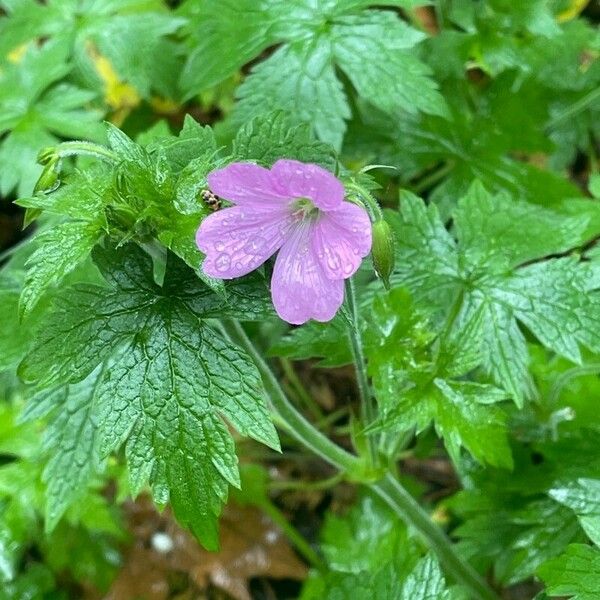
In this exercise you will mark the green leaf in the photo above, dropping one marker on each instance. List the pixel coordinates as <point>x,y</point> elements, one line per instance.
<point>581,496</point>
<point>376,51</point>
<point>192,142</point>
<point>238,32</point>
<point>458,149</point>
<point>36,113</point>
<point>130,34</point>
<point>327,341</point>
<point>272,136</point>
<point>490,271</point>
<point>426,582</point>
<point>370,556</point>
<point>414,388</point>
<point>486,226</point>
<point>171,378</point>
<point>518,534</point>
<point>59,250</point>
<point>299,79</point>
<point>72,441</point>
<point>14,338</point>
<point>575,574</point>
<point>365,538</point>
<point>82,195</point>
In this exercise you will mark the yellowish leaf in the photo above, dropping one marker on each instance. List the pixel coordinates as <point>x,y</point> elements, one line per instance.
<point>119,95</point>
<point>574,10</point>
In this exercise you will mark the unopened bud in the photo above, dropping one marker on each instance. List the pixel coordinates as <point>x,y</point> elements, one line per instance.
<point>382,251</point>
<point>47,156</point>
<point>48,180</point>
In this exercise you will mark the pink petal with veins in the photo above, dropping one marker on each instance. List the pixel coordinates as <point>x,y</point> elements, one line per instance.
<point>341,239</point>
<point>237,240</point>
<point>299,286</point>
<point>305,180</point>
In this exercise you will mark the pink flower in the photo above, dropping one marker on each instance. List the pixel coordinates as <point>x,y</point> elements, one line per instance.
<point>298,209</point>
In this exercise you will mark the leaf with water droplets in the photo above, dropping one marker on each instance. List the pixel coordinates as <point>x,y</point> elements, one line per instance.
<point>171,380</point>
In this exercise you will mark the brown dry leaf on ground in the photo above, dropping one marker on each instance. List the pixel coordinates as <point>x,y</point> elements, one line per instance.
<point>166,561</point>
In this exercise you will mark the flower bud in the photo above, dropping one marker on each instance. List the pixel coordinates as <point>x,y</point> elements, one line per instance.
<point>47,156</point>
<point>382,251</point>
<point>48,180</point>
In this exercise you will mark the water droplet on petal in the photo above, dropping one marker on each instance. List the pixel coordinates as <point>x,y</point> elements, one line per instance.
<point>222,262</point>
<point>219,246</point>
<point>333,261</point>
<point>255,245</point>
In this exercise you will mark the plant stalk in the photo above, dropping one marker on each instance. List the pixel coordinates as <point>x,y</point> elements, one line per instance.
<point>80,148</point>
<point>366,398</point>
<point>388,489</point>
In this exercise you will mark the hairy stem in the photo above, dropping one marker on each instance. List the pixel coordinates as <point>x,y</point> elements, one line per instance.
<point>79,148</point>
<point>406,507</point>
<point>366,398</point>
<point>296,425</point>
<point>389,489</point>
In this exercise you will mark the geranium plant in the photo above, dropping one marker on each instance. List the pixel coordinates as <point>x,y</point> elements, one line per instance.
<point>341,251</point>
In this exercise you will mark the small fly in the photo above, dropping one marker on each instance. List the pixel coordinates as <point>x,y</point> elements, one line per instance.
<point>211,200</point>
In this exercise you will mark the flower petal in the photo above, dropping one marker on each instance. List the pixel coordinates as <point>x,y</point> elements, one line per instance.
<point>239,239</point>
<point>341,239</point>
<point>299,287</point>
<point>247,184</point>
<point>305,180</point>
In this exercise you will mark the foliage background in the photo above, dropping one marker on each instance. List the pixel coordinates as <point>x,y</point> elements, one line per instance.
<point>483,356</point>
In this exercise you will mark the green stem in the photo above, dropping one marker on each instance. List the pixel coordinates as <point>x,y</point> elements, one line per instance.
<point>367,199</point>
<point>389,489</point>
<point>303,547</point>
<point>296,425</point>
<point>300,390</point>
<point>79,148</point>
<point>366,398</point>
<point>568,376</point>
<point>323,484</point>
<point>576,108</point>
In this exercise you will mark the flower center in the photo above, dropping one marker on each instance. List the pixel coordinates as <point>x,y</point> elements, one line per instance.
<point>303,208</point>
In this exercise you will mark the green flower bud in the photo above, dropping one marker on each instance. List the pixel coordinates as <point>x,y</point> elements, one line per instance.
<point>382,251</point>
<point>48,180</point>
<point>48,156</point>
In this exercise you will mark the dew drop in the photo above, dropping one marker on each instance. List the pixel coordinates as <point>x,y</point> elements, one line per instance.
<point>219,246</point>
<point>333,261</point>
<point>222,262</point>
<point>255,245</point>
